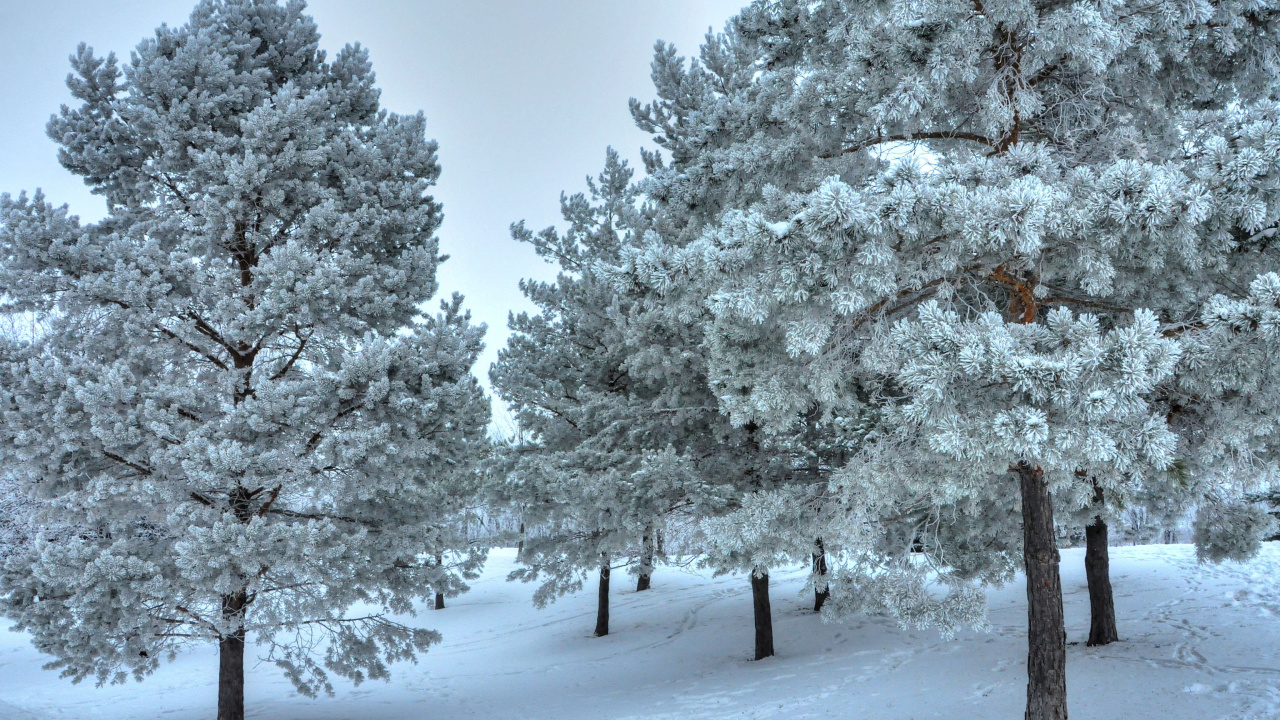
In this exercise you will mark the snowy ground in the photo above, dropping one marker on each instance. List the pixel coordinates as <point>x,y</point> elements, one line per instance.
<point>1199,643</point>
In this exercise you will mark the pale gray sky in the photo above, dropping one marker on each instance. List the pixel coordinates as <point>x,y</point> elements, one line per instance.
<point>523,95</point>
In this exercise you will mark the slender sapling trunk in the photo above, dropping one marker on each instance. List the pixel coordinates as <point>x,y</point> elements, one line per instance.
<point>602,609</point>
<point>439,595</point>
<point>820,589</point>
<point>646,560</point>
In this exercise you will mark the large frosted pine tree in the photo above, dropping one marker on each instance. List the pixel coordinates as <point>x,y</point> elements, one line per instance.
<point>235,422</point>
<point>999,226</point>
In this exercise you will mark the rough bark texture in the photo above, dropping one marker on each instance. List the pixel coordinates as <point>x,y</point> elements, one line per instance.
<point>1046,630</point>
<point>231,663</point>
<point>820,591</point>
<point>764,617</point>
<point>602,610</point>
<point>646,561</point>
<point>1097,570</point>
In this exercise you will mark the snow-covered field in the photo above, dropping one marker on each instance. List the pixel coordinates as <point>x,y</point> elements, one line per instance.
<point>1200,643</point>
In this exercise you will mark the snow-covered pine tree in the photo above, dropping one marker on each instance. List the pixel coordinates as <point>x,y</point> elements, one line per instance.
<point>562,373</point>
<point>997,224</point>
<point>235,402</point>
<point>608,383</point>
<point>1230,386</point>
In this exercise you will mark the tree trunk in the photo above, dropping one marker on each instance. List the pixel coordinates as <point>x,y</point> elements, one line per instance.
<point>1046,630</point>
<point>764,617</point>
<point>439,595</point>
<point>646,561</point>
<point>231,662</point>
<point>820,589</point>
<point>520,546</point>
<point>1097,570</point>
<point>602,609</point>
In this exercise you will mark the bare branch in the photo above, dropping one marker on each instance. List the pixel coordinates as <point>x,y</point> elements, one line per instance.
<point>140,468</point>
<point>192,347</point>
<point>266,506</point>
<point>908,137</point>
<point>311,516</point>
<point>302,345</point>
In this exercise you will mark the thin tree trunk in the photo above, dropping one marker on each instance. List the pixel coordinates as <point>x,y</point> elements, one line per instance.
<point>646,560</point>
<point>1097,570</point>
<point>662,551</point>
<point>520,546</point>
<point>820,589</point>
<point>763,615</point>
<point>231,662</point>
<point>439,595</point>
<point>602,609</point>
<point>1046,630</point>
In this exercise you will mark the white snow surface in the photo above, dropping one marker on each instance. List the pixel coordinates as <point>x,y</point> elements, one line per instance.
<point>1199,642</point>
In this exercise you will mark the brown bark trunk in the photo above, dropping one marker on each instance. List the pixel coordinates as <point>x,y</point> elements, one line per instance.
<point>763,614</point>
<point>820,589</point>
<point>1097,570</point>
<point>231,661</point>
<point>646,561</point>
<point>1046,630</point>
<point>602,608</point>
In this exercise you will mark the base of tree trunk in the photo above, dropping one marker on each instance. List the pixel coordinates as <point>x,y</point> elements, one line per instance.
<point>231,659</point>
<point>231,677</point>
<point>1046,629</point>
<point>763,615</point>
<point>602,608</point>
<point>439,601</point>
<point>1097,570</point>
<point>820,598</point>
<point>821,591</point>
<point>646,561</point>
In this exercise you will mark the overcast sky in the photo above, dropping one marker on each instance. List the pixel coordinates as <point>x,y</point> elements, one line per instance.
<point>523,95</point>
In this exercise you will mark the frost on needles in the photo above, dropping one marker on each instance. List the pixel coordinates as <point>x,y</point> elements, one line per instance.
<point>623,450</point>
<point>1017,238</point>
<point>236,425</point>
